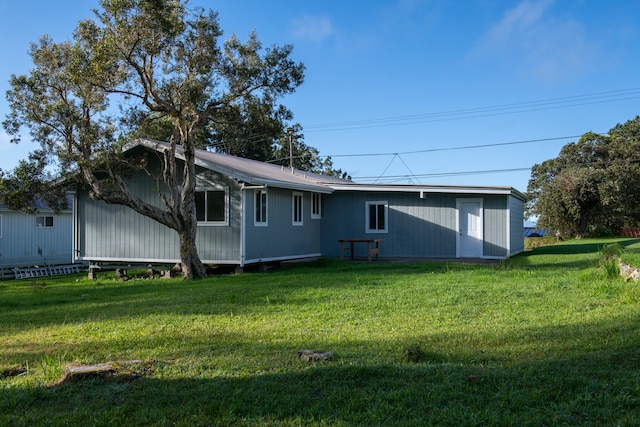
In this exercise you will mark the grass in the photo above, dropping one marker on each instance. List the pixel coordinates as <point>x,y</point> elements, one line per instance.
<point>546,338</point>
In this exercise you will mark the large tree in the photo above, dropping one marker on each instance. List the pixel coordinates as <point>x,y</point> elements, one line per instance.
<point>593,186</point>
<point>141,62</point>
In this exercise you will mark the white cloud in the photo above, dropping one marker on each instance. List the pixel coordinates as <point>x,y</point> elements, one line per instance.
<point>312,27</point>
<point>538,44</point>
<point>517,22</point>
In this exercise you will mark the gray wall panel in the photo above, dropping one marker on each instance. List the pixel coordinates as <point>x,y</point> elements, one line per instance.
<point>117,232</point>
<point>280,238</point>
<point>23,244</point>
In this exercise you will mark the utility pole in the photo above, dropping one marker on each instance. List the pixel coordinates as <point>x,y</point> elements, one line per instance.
<point>290,132</point>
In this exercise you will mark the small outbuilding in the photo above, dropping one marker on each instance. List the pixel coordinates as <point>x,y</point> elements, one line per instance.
<point>43,238</point>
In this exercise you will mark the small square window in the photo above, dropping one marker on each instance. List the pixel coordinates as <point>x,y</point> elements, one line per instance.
<point>44,221</point>
<point>211,206</point>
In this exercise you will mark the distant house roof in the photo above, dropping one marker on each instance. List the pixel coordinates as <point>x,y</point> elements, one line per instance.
<point>535,232</point>
<point>255,172</point>
<point>41,205</point>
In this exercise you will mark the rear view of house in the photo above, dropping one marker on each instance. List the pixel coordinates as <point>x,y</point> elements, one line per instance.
<point>252,212</point>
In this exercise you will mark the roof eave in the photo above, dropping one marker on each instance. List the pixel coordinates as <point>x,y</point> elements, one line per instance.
<point>426,189</point>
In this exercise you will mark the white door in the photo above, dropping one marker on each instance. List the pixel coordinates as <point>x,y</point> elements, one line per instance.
<point>470,226</point>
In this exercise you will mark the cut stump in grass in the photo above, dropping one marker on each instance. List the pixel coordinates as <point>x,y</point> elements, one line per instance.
<point>124,368</point>
<point>314,355</point>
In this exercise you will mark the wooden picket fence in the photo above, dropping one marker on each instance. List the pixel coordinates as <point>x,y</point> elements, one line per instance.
<point>630,231</point>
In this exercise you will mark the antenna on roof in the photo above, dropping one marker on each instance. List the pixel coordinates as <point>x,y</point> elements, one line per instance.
<point>290,133</point>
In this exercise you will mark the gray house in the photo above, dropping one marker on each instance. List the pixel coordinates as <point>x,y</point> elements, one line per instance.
<point>44,238</point>
<point>253,212</point>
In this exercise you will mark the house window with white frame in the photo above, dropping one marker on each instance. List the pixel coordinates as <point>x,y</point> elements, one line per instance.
<point>260,218</point>
<point>211,207</point>
<point>43,221</point>
<point>316,205</point>
<point>377,217</point>
<point>297,208</point>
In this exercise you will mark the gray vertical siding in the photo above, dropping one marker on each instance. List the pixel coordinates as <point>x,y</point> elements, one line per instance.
<point>280,238</point>
<point>23,244</point>
<point>516,211</point>
<point>114,232</point>
<point>495,227</point>
<point>417,227</point>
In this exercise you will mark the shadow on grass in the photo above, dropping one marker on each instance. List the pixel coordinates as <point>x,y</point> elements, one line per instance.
<point>546,393</point>
<point>576,384</point>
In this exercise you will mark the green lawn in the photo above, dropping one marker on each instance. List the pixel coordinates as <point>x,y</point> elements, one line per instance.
<point>546,338</point>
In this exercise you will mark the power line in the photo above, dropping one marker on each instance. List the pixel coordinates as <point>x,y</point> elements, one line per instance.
<point>439,175</point>
<point>513,108</point>
<point>464,147</point>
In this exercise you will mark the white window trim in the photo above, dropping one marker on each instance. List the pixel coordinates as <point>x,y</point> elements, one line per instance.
<point>44,221</point>
<point>317,215</point>
<point>226,208</point>
<point>295,195</point>
<point>255,220</point>
<point>386,217</point>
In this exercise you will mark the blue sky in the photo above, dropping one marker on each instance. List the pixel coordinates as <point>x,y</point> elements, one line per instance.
<point>397,91</point>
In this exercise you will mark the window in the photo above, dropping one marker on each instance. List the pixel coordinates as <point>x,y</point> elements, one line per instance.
<point>260,218</point>
<point>297,208</point>
<point>211,206</point>
<point>44,221</point>
<point>0,225</point>
<point>376,217</point>
<point>316,205</point>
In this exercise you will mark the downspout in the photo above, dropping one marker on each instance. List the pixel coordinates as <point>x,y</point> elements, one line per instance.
<point>243,226</point>
<point>75,244</point>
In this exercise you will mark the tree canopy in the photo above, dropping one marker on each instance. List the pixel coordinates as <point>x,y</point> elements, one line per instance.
<point>144,68</point>
<point>593,186</point>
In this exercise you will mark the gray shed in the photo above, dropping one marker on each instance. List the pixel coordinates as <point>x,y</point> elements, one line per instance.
<point>254,212</point>
<point>44,238</point>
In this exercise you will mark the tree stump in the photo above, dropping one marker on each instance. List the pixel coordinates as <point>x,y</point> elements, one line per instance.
<point>75,372</point>
<point>314,355</point>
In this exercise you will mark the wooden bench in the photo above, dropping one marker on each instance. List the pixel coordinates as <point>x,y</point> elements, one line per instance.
<point>373,247</point>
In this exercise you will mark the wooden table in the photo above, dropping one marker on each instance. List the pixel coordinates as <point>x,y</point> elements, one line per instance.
<point>373,247</point>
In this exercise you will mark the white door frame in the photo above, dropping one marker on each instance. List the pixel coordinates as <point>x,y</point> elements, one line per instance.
<point>459,231</point>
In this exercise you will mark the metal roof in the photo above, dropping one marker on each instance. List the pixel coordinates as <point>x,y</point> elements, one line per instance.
<point>255,172</point>
<point>249,171</point>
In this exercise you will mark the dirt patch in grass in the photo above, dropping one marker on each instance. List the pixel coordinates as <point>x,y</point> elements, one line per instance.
<point>12,371</point>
